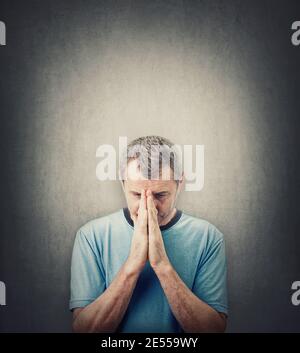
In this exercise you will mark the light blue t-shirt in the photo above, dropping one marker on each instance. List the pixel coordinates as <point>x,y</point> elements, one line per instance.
<point>194,247</point>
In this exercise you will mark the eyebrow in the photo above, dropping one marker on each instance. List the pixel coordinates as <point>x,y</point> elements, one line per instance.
<point>161,192</point>
<point>155,193</point>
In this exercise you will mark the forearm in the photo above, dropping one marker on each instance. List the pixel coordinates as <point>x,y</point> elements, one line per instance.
<point>192,313</point>
<point>106,312</point>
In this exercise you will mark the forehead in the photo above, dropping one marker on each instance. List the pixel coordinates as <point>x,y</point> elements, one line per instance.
<point>136,181</point>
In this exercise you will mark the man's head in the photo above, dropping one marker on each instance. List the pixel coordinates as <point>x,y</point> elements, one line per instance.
<point>152,163</point>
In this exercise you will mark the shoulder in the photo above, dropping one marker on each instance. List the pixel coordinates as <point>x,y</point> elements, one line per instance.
<point>93,228</point>
<point>208,239</point>
<point>204,229</point>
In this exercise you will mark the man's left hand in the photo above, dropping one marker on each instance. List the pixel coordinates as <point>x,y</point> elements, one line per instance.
<point>156,253</point>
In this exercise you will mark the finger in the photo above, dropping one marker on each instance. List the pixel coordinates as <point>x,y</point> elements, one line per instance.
<point>142,212</point>
<point>143,201</point>
<point>134,218</point>
<point>152,212</point>
<point>150,202</point>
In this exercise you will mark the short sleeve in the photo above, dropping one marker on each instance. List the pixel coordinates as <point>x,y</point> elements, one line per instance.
<point>210,283</point>
<point>87,278</point>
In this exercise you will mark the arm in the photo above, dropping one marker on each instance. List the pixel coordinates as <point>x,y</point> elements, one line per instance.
<point>106,312</point>
<point>191,312</point>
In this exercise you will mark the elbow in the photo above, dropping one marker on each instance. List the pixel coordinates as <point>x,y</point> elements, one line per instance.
<point>222,323</point>
<point>221,328</point>
<point>93,327</point>
<point>213,325</point>
<point>76,327</point>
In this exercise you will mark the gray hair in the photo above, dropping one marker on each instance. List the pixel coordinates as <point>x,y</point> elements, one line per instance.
<point>153,153</point>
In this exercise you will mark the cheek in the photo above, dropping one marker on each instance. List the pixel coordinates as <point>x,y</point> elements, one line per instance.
<point>135,205</point>
<point>163,202</point>
<point>162,206</point>
<point>165,205</point>
<point>132,203</point>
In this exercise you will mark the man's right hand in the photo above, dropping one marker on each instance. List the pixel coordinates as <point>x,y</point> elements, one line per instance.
<point>138,255</point>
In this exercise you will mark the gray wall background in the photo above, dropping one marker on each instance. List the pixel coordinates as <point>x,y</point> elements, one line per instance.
<point>78,74</point>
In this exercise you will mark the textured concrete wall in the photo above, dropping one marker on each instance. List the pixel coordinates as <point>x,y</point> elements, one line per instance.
<point>78,74</point>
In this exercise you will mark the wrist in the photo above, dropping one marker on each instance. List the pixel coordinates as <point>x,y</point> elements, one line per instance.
<point>163,268</point>
<point>131,269</point>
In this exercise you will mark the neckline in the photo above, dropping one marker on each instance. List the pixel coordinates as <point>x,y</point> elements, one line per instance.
<point>172,221</point>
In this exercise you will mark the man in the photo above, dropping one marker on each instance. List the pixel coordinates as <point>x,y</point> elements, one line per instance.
<point>149,267</point>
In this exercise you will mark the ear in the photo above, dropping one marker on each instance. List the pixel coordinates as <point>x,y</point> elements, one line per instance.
<point>123,185</point>
<point>181,182</point>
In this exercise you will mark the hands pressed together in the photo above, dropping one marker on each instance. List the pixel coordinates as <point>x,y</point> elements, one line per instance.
<point>147,242</point>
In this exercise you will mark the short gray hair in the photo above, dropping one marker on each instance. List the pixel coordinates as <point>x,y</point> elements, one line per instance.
<point>152,152</point>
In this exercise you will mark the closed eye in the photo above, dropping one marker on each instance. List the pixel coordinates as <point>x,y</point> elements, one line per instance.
<point>136,194</point>
<point>160,195</point>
